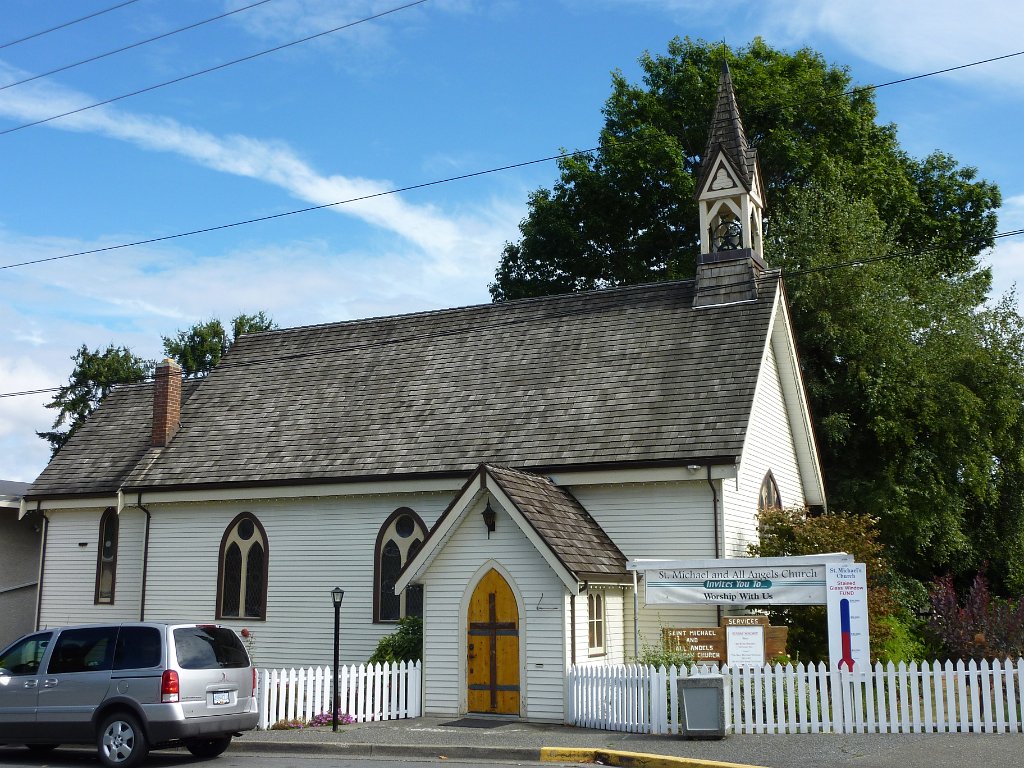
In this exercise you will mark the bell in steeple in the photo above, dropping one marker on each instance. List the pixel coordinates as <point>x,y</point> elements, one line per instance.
<point>731,201</point>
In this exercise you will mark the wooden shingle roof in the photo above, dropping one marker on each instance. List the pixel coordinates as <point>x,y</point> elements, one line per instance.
<point>620,376</point>
<point>568,529</point>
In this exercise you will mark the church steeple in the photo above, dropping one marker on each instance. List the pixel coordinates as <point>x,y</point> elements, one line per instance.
<point>727,134</point>
<point>730,198</point>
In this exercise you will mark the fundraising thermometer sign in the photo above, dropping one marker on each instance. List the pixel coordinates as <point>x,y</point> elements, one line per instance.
<point>758,585</point>
<point>848,640</point>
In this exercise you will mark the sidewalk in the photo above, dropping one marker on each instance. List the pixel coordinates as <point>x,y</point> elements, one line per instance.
<point>500,740</point>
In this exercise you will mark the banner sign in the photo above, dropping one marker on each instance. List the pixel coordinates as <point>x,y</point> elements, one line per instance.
<point>797,584</point>
<point>848,639</point>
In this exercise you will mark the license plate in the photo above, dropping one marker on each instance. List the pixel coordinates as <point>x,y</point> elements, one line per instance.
<point>221,697</point>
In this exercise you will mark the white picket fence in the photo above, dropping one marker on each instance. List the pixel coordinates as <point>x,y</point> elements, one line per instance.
<point>366,692</point>
<point>985,697</point>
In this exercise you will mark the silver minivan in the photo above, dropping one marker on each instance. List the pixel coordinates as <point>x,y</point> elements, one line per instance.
<point>127,688</point>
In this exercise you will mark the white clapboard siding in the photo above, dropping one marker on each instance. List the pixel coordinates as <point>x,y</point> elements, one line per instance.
<point>313,545</point>
<point>635,516</point>
<point>69,580</point>
<point>768,446</point>
<point>543,605</point>
<point>365,693</point>
<point>925,697</point>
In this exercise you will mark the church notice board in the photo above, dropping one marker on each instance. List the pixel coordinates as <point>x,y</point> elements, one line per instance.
<point>739,641</point>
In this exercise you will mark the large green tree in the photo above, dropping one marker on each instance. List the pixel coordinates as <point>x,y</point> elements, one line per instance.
<point>199,348</point>
<point>95,372</point>
<point>917,388</point>
<point>626,212</point>
<point>915,383</point>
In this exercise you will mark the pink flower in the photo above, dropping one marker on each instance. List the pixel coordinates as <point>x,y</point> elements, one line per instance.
<point>246,633</point>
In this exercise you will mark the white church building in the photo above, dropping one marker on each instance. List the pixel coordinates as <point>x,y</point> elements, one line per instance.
<point>491,468</point>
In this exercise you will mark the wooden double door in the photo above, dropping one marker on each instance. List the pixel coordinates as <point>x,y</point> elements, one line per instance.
<point>492,645</point>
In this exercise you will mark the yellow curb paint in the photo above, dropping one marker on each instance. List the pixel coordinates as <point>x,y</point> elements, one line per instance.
<point>567,755</point>
<point>628,759</point>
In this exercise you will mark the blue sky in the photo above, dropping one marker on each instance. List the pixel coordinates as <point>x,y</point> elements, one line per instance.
<point>441,89</point>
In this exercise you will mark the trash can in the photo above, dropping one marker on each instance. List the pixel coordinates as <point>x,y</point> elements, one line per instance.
<point>702,706</point>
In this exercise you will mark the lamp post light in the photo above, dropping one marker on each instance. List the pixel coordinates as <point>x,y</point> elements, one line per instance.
<point>337,594</point>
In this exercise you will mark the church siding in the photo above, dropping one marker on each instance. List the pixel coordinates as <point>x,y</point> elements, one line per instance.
<point>543,603</point>
<point>313,544</point>
<point>69,577</point>
<point>654,520</point>
<point>614,624</point>
<point>769,446</point>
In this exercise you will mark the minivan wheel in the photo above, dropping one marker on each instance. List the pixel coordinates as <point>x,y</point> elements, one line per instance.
<point>208,747</point>
<point>121,742</point>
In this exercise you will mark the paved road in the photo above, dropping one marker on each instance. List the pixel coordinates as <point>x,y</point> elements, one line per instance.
<point>80,757</point>
<point>469,738</point>
<point>491,743</point>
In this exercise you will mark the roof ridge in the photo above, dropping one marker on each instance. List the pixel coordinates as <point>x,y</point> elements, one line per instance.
<point>577,295</point>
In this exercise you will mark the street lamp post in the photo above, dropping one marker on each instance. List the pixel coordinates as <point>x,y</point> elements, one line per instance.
<point>337,594</point>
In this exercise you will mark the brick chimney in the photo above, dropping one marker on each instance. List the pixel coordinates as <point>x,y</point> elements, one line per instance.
<point>166,402</point>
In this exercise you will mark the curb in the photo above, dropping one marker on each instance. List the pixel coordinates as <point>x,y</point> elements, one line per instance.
<point>628,759</point>
<point>463,752</point>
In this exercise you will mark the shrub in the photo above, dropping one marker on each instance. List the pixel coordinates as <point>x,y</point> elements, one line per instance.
<point>404,644</point>
<point>983,627</point>
<point>892,599</point>
<point>287,725</point>
<point>662,655</point>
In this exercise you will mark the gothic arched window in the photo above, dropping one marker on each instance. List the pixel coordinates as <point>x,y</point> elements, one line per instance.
<point>399,539</point>
<point>769,496</point>
<point>242,570</point>
<point>106,558</point>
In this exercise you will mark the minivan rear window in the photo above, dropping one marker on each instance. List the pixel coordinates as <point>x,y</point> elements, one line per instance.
<point>209,648</point>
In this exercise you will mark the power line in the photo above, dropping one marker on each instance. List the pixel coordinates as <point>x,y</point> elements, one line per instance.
<point>298,210</point>
<point>208,70</point>
<point>129,47</point>
<point>398,189</point>
<point>227,364</point>
<point>67,24</point>
<point>283,214</point>
<point>941,71</point>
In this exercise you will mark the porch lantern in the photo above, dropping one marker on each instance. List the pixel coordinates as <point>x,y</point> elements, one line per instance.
<point>489,518</point>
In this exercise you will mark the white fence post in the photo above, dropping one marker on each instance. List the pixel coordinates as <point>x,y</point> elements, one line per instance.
<point>924,697</point>
<point>378,692</point>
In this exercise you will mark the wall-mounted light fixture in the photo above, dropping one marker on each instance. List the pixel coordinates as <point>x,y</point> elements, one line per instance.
<point>490,518</point>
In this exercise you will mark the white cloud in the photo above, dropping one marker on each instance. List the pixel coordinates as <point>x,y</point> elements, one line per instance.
<point>23,454</point>
<point>911,36</point>
<point>908,36</point>
<point>447,240</point>
<point>1008,256</point>
<point>150,291</point>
